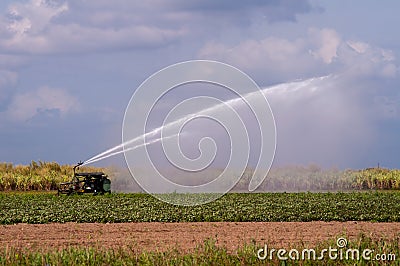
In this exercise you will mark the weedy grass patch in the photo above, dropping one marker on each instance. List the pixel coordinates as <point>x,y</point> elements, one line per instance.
<point>207,253</point>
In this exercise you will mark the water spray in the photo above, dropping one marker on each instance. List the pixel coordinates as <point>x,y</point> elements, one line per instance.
<point>112,152</point>
<point>285,87</point>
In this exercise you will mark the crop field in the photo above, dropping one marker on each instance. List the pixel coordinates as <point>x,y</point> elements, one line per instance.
<point>129,229</point>
<point>37,227</point>
<point>233,207</point>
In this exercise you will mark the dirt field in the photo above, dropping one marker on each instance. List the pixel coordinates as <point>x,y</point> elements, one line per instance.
<point>184,236</point>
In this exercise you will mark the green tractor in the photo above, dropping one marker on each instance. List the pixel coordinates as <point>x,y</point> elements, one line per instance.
<point>95,183</point>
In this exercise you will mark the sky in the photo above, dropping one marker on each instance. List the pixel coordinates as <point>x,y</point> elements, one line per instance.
<point>68,69</point>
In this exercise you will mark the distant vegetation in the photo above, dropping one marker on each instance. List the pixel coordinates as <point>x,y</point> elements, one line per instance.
<point>42,176</point>
<point>313,178</point>
<point>45,176</point>
<point>377,178</point>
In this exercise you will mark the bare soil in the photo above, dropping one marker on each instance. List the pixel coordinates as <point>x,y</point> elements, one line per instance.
<point>185,236</point>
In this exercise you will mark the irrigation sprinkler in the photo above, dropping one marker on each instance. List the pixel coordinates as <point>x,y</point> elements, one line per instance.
<point>86,182</point>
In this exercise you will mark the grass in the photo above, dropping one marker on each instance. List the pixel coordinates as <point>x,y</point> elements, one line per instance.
<point>235,207</point>
<point>206,254</point>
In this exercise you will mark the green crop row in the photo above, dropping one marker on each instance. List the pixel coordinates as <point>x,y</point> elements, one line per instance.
<point>234,207</point>
<point>206,254</point>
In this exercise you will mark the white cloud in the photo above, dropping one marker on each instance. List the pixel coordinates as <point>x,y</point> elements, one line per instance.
<point>319,52</point>
<point>35,26</point>
<point>327,42</point>
<point>20,27</point>
<point>32,17</point>
<point>75,38</point>
<point>253,53</point>
<point>277,58</point>
<point>363,59</point>
<point>43,101</point>
<point>42,27</point>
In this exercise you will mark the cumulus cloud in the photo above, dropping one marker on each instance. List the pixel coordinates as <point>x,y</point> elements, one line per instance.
<point>363,59</point>
<point>43,27</point>
<point>46,27</point>
<point>254,54</point>
<point>33,17</point>
<point>319,51</point>
<point>327,42</point>
<point>44,101</point>
<point>273,57</point>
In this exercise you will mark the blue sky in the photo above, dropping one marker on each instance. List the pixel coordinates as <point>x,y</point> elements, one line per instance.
<point>68,69</point>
